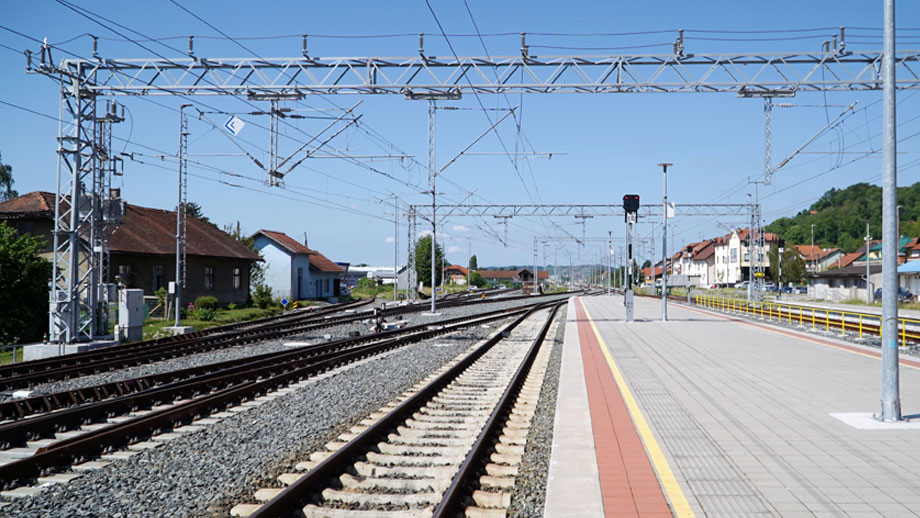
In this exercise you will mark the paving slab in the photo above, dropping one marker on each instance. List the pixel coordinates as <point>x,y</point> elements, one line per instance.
<point>757,420</point>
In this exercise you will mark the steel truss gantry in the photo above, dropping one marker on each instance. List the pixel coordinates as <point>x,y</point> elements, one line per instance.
<point>741,73</point>
<point>581,210</point>
<point>73,305</point>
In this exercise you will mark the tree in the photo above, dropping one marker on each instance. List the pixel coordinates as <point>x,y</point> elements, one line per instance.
<point>793,265</point>
<point>24,278</point>
<point>477,280</point>
<point>6,181</point>
<point>194,210</point>
<point>474,263</point>
<point>423,261</point>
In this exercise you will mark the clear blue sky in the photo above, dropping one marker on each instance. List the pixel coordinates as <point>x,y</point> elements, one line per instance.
<point>612,143</point>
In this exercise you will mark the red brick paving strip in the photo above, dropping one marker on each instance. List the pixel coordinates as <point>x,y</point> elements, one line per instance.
<point>629,486</point>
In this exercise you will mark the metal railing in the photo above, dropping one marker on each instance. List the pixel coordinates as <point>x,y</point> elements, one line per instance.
<point>817,317</point>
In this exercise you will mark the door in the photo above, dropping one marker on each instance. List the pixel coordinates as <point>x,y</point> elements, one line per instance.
<point>299,284</point>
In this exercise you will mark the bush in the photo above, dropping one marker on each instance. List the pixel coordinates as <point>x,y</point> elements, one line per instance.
<point>231,306</point>
<point>206,302</point>
<point>262,296</point>
<point>161,296</point>
<point>366,283</point>
<point>206,314</point>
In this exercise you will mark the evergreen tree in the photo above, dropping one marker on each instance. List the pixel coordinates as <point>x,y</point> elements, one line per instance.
<point>474,263</point>
<point>423,261</point>
<point>6,181</point>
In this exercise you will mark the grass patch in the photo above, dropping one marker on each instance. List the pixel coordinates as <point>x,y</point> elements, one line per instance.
<point>878,304</point>
<point>153,328</point>
<point>7,355</point>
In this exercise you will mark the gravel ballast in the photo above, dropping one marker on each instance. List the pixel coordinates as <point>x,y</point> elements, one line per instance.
<point>205,473</point>
<point>248,350</point>
<point>529,495</point>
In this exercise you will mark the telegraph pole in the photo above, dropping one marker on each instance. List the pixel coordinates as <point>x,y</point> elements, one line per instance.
<point>891,404</point>
<point>664,245</point>
<point>868,288</point>
<point>609,261</point>
<point>395,247</point>
<point>181,237</point>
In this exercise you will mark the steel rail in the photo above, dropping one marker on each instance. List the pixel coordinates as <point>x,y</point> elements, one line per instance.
<point>21,368</point>
<point>90,363</point>
<point>313,481</point>
<point>94,442</point>
<point>205,378</point>
<point>451,503</point>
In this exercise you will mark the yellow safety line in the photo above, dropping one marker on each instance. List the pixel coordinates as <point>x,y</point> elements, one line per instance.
<point>659,461</point>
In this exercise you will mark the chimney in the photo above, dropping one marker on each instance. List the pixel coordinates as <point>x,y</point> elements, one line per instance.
<point>305,240</point>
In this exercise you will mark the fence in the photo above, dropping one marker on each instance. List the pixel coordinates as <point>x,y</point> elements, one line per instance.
<point>816,317</point>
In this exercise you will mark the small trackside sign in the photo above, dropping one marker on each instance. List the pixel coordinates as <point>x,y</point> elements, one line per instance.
<point>234,125</point>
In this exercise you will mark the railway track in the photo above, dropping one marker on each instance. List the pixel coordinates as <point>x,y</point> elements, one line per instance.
<point>85,430</point>
<point>27,374</point>
<point>451,444</point>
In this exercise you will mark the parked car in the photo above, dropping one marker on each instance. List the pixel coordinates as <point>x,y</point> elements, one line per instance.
<point>742,285</point>
<point>903,295</point>
<point>770,286</point>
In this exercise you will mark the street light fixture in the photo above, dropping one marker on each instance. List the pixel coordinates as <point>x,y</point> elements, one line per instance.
<point>664,245</point>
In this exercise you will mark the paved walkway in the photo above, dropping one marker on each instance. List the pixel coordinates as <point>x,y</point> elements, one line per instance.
<point>734,419</point>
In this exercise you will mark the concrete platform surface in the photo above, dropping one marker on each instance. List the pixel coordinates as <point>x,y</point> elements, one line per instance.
<point>736,418</point>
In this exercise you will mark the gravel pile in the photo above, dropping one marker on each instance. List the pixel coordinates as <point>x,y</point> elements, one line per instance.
<point>243,351</point>
<point>529,495</point>
<point>205,473</point>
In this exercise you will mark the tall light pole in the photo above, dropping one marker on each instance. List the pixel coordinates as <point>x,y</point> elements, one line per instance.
<point>432,99</point>
<point>868,292</point>
<point>664,245</point>
<point>814,264</point>
<point>891,403</point>
<point>609,261</point>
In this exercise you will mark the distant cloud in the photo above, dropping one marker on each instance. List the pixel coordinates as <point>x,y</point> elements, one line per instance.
<point>460,228</point>
<point>354,206</point>
<point>390,239</point>
<point>453,249</point>
<point>424,233</point>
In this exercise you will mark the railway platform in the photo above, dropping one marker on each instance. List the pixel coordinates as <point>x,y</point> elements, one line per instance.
<point>712,415</point>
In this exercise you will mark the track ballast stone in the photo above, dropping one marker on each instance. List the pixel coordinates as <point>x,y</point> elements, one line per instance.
<point>207,472</point>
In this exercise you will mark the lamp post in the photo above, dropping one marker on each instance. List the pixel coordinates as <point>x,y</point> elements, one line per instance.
<point>814,266</point>
<point>868,288</point>
<point>664,245</point>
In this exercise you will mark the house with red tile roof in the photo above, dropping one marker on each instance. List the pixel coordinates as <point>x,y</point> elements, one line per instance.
<point>456,274</point>
<point>143,249</point>
<point>819,259</point>
<point>294,271</point>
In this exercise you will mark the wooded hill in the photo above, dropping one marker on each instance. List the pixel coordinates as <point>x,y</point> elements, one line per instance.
<point>840,215</point>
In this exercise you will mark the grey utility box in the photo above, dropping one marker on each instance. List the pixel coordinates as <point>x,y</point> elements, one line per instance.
<point>131,314</point>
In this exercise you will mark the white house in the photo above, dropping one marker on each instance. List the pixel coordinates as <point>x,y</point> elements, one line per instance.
<point>294,271</point>
<point>697,262</point>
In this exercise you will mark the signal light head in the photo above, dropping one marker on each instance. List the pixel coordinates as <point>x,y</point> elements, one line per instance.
<point>631,202</point>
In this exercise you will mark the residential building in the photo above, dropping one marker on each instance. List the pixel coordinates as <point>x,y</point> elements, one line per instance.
<point>844,283</point>
<point>818,259</point>
<point>142,249</point>
<point>294,271</point>
<point>456,274</point>
<point>698,262</point>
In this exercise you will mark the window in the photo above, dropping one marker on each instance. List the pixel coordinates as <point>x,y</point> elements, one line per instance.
<point>126,274</point>
<point>237,279</point>
<point>327,286</point>
<point>159,277</point>
<point>734,254</point>
<point>208,278</point>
